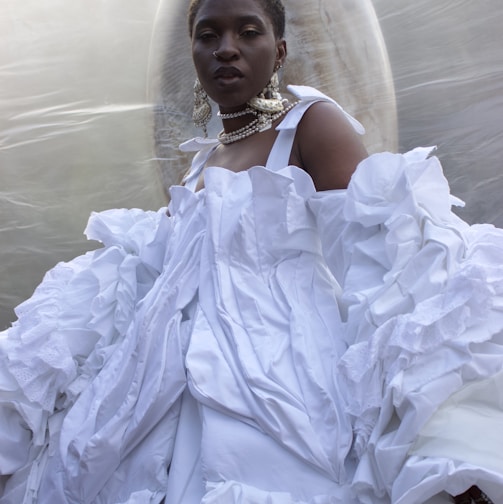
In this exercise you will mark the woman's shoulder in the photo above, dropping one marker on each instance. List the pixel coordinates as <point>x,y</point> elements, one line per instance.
<point>327,144</point>
<point>316,100</point>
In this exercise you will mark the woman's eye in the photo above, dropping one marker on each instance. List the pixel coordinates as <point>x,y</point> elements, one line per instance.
<point>206,36</point>
<point>249,33</point>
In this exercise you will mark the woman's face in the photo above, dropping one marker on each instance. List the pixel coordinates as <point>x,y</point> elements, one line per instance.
<point>241,35</point>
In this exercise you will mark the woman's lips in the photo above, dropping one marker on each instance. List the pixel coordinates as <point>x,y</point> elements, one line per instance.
<point>228,74</point>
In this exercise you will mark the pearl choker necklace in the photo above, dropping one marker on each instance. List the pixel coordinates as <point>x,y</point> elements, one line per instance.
<point>262,123</point>
<point>240,113</point>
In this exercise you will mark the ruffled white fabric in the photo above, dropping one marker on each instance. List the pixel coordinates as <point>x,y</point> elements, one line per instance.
<point>429,320</point>
<point>65,334</point>
<point>319,332</point>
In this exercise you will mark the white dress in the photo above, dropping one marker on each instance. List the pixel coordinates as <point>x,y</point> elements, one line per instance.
<point>265,343</point>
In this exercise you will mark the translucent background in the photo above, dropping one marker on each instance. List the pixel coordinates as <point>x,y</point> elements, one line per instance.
<point>77,133</point>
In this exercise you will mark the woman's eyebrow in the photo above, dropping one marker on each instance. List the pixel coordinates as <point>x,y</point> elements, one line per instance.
<point>251,19</point>
<point>248,19</point>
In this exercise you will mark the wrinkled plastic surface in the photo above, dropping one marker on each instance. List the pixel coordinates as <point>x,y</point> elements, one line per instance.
<point>75,129</point>
<point>78,133</point>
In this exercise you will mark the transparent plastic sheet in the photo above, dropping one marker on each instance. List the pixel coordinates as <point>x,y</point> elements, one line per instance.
<point>447,64</point>
<point>75,129</point>
<point>77,133</point>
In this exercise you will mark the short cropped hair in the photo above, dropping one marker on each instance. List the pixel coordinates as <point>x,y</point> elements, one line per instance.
<point>273,8</point>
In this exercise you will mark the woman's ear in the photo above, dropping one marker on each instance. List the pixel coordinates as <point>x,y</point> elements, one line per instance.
<point>281,52</point>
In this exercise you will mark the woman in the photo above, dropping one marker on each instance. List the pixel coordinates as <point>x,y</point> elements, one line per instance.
<point>233,67</point>
<point>209,355</point>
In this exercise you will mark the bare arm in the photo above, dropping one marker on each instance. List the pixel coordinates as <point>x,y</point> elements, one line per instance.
<point>327,146</point>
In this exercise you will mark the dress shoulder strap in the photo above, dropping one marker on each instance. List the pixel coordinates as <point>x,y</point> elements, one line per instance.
<point>203,148</point>
<point>280,153</point>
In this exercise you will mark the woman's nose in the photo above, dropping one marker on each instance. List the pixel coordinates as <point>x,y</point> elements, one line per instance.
<point>227,48</point>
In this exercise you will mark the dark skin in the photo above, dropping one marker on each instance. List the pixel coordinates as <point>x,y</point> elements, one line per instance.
<point>329,154</point>
<point>242,36</point>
